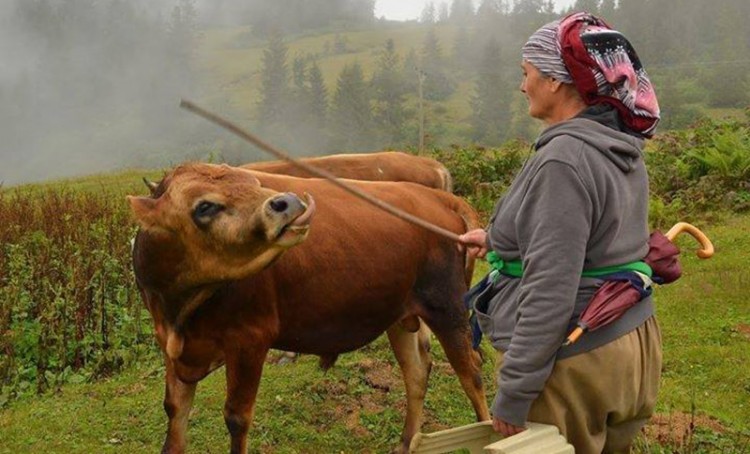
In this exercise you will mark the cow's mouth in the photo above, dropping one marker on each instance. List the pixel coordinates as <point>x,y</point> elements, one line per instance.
<point>296,230</point>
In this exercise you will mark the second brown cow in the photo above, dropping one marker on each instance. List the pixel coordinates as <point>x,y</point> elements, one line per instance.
<point>379,166</point>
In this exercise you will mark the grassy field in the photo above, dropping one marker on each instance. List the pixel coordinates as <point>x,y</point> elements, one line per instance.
<point>357,406</point>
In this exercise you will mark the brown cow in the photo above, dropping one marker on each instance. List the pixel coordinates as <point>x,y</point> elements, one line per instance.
<point>380,166</point>
<point>377,166</point>
<point>224,268</point>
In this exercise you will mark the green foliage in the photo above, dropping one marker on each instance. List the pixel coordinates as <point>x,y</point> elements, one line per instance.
<point>728,156</point>
<point>438,85</point>
<point>389,91</point>
<point>482,174</point>
<point>351,118</point>
<point>700,172</point>
<point>69,310</point>
<point>491,117</point>
<point>274,89</point>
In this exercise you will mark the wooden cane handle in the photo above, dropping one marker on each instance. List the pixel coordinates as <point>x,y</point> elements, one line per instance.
<point>573,336</point>
<point>707,248</point>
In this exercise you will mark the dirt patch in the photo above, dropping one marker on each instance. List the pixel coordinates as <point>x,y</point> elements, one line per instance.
<point>352,423</point>
<point>744,329</point>
<point>379,375</point>
<point>131,390</point>
<point>676,429</point>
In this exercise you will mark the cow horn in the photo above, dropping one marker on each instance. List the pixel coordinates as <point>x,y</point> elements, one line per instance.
<point>150,185</point>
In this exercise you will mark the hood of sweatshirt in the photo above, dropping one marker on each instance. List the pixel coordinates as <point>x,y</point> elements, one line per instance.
<point>601,130</point>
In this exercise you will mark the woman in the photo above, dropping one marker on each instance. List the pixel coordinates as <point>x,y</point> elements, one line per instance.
<point>579,203</point>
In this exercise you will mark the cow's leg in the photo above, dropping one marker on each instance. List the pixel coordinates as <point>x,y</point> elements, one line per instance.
<point>243,368</point>
<point>178,400</point>
<point>412,353</point>
<point>455,338</point>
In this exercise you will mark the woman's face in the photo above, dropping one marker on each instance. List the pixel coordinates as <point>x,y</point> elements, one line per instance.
<point>536,87</point>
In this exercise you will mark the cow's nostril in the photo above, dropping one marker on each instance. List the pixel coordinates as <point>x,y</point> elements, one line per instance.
<point>279,205</point>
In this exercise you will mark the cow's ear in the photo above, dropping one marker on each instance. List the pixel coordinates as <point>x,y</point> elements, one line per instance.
<point>144,210</point>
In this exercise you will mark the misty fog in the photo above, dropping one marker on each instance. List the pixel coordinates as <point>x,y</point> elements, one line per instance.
<point>89,86</point>
<point>92,86</point>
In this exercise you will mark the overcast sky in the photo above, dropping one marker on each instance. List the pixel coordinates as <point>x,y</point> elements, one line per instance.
<point>411,9</point>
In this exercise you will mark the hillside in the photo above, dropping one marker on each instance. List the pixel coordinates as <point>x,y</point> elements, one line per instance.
<point>230,62</point>
<point>230,59</point>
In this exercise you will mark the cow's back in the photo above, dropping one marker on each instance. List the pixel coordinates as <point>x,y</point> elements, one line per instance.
<point>380,166</point>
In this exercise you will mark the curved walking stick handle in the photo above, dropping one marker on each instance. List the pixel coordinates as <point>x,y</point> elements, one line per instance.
<point>707,248</point>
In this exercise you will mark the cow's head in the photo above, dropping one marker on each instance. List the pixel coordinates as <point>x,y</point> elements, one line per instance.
<point>206,224</point>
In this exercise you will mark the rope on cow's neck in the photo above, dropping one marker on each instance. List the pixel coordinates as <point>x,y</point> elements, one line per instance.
<point>318,172</point>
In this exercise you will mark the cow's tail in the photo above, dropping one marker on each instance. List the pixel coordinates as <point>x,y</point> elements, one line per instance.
<point>445,177</point>
<point>471,221</point>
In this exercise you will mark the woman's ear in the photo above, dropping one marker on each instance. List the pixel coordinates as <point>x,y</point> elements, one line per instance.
<point>555,85</point>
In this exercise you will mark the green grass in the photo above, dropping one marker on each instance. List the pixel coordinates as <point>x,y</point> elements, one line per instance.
<point>126,181</point>
<point>357,406</point>
<point>705,347</point>
<point>299,409</point>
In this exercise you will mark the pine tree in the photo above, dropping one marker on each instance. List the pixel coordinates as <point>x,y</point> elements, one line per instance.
<point>274,90</point>
<point>317,108</point>
<point>489,9</point>
<point>299,67</point>
<point>437,85</point>
<point>299,108</point>
<point>462,49</point>
<point>490,105</point>
<point>389,89</point>
<point>607,9</point>
<point>318,96</point>
<point>183,31</point>
<point>443,13</point>
<point>591,6</point>
<point>462,11</point>
<point>428,14</point>
<point>351,118</point>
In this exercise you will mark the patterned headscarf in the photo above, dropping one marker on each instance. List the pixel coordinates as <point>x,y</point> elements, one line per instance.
<point>584,50</point>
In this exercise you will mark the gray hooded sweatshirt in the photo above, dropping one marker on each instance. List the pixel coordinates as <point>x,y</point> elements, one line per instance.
<point>580,202</point>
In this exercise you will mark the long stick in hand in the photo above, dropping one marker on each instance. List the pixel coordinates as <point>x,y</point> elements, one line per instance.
<point>226,124</point>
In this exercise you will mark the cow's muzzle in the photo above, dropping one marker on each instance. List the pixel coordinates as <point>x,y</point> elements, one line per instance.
<point>298,215</point>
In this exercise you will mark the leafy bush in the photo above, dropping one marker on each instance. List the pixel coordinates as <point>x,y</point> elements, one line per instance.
<point>695,174</point>
<point>703,171</point>
<point>69,309</point>
<point>483,174</point>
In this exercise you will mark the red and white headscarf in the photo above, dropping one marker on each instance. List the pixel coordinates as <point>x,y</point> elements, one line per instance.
<point>583,50</point>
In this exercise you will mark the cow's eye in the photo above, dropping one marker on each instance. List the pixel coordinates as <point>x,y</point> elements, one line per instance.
<point>206,210</point>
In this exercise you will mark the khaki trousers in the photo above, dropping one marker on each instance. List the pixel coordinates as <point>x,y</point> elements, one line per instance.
<point>601,399</point>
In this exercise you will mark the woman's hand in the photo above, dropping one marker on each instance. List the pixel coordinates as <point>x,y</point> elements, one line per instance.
<point>506,429</point>
<point>476,242</point>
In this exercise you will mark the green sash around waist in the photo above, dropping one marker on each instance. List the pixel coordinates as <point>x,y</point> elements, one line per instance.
<point>514,268</point>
